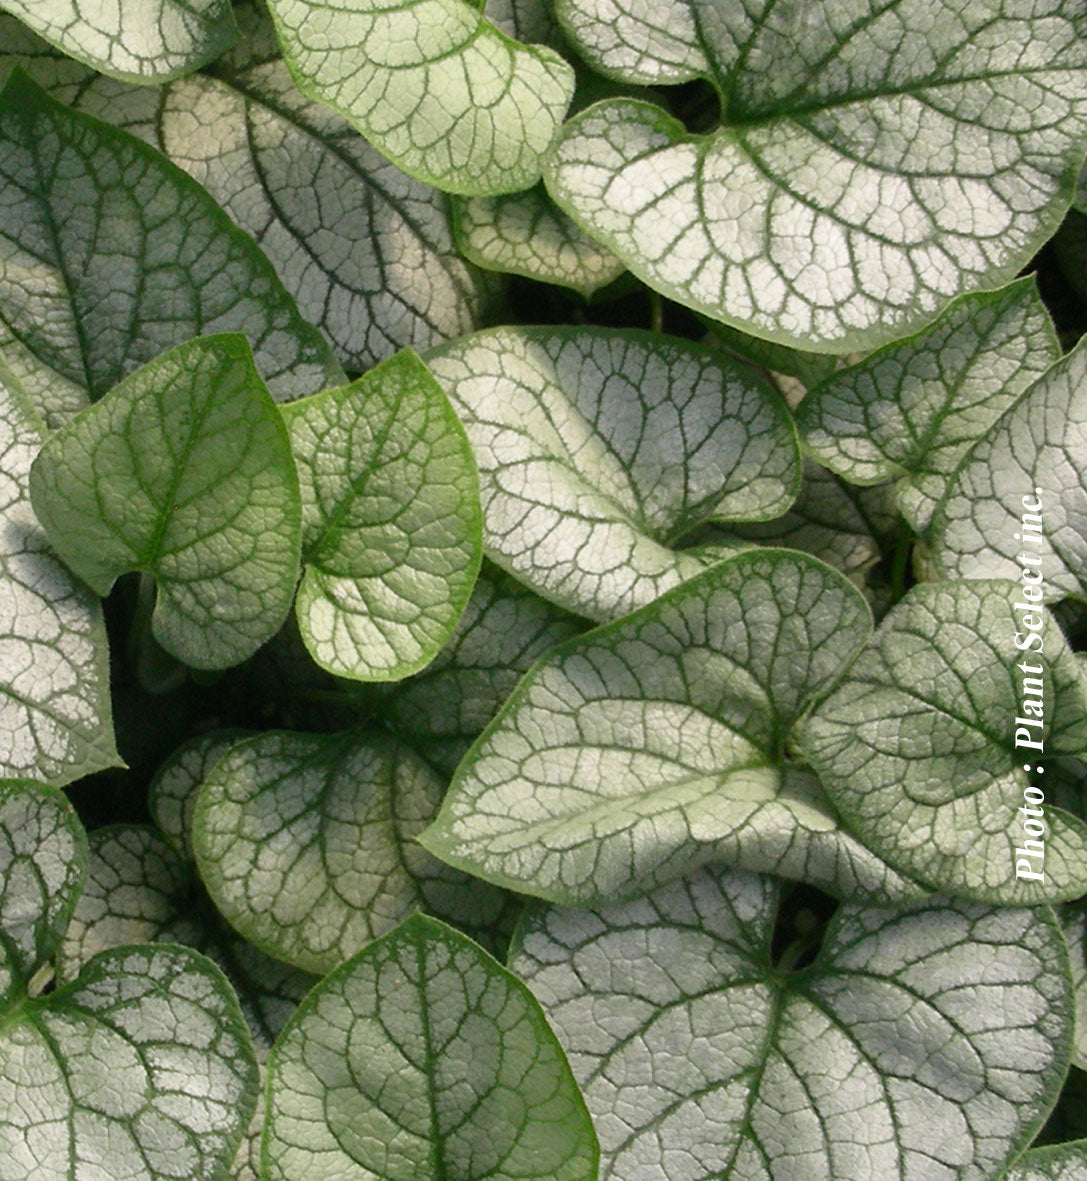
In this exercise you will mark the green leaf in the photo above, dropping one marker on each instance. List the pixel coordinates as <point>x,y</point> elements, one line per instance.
<point>923,1043</point>
<point>917,746</point>
<point>306,843</point>
<point>504,628</point>
<point>912,410</point>
<point>630,756</point>
<point>827,520</point>
<point>109,255</point>
<point>148,41</point>
<point>43,860</point>
<point>871,163</point>
<point>524,234</point>
<point>139,888</point>
<point>184,471</point>
<point>1035,451</point>
<point>55,710</point>
<point>1074,923</point>
<point>423,1058</point>
<point>599,448</point>
<point>433,85</point>
<point>171,796</point>
<point>1058,1162</point>
<point>142,1067</point>
<point>390,521</point>
<point>1068,1120</point>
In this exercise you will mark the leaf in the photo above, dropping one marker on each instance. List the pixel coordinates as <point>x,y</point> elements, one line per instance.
<point>141,1068</point>
<point>184,471</point>
<point>504,628</point>
<point>917,746</point>
<point>1068,1120</point>
<point>390,521</point>
<point>422,1057</point>
<point>828,520</point>
<point>870,164</point>
<point>43,860</point>
<point>306,844</point>
<point>924,1043</point>
<point>630,756</point>
<point>55,711</point>
<point>139,889</point>
<point>524,234</point>
<point>433,85</point>
<point>1059,1162</point>
<point>109,255</point>
<point>1035,451</point>
<point>148,41</point>
<point>912,410</point>
<point>1074,923</point>
<point>599,448</point>
<point>171,796</point>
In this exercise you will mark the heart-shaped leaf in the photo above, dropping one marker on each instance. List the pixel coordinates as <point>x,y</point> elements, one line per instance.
<point>924,745</point>
<point>109,255</point>
<point>306,844</point>
<point>1033,456</point>
<point>139,888</point>
<point>146,41</point>
<point>433,85</point>
<point>524,234</point>
<point>926,1043</point>
<point>366,251</point>
<point>599,448</point>
<point>141,1067</point>
<point>390,521</point>
<point>655,744</point>
<point>912,410</point>
<point>424,1058</point>
<point>870,163</point>
<point>183,471</point>
<point>54,661</point>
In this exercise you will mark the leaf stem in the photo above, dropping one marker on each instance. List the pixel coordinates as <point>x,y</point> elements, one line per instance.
<point>656,312</point>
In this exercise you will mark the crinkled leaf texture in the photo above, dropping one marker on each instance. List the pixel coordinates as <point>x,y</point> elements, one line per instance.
<point>142,1067</point>
<point>524,234</point>
<point>183,471</point>
<point>55,718</point>
<point>140,889</point>
<point>916,747</point>
<point>147,41</point>
<point>43,859</point>
<point>109,254</point>
<point>631,755</point>
<point>391,529</point>
<point>912,410</point>
<point>1035,452</point>
<point>306,843</point>
<point>366,251</point>
<point>423,1058</point>
<point>433,85</point>
<point>1055,1162</point>
<point>924,1043</point>
<point>1074,923</point>
<point>599,448</point>
<point>504,628</point>
<point>873,160</point>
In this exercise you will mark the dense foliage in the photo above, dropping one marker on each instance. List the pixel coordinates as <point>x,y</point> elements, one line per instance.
<point>544,590</point>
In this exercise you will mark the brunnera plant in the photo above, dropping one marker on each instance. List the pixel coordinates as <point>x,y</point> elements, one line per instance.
<point>544,592</point>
